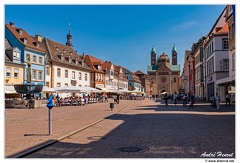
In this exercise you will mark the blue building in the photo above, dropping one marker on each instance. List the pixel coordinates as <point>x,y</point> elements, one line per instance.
<point>32,49</point>
<point>134,82</point>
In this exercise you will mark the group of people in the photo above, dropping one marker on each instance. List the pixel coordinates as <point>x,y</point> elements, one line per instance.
<point>116,98</point>
<point>189,99</point>
<point>215,100</point>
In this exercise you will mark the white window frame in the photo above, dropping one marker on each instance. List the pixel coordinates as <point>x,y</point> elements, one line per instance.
<point>225,43</point>
<point>40,60</point>
<point>73,75</point>
<point>8,70</point>
<point>40,73</point>
<point>16,72</point>
<point>79,76</point>
<point>34,74</point>
<point>34,58</point>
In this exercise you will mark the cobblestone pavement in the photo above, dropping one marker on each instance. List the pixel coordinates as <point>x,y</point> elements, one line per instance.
<point>147,129</point>
<point>27,129</point>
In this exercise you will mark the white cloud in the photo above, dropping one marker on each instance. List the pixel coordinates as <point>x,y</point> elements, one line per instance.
<point>185,25</point>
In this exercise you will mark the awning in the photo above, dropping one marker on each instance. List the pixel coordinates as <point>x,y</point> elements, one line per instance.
<point>9,89</point>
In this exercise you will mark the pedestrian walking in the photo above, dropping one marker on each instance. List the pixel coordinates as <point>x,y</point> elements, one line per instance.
<point>175,98</point>
<point>106,98</point>
<point>217,98</point>
<point>166,99</point>
<point>115,98</point>
<point>227,99</point>
<point>118,98</point>
<point>184,100</point>
<point>191,101</point>
<point>190,105</point>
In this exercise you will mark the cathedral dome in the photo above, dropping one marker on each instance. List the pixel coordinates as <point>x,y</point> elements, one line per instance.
<point>163,58</point>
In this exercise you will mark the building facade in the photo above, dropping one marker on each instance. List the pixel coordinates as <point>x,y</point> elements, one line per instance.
<point>31,51</point>
<point>98,79</point>
<point>163,73</point>
<point>217,58</point>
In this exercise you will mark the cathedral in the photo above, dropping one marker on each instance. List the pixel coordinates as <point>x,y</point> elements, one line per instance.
<point>162,73</point>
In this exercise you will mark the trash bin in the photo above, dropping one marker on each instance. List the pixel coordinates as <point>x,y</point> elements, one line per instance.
<point>111,106</point>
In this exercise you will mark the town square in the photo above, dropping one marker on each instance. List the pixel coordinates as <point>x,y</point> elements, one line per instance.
<point>92,81</point>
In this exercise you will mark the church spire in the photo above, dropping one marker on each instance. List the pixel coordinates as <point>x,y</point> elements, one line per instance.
<point>153,56</point>
<point>69,37</point>
<point>174,49</point>
<point>174,55</point>
<point>153,50</point>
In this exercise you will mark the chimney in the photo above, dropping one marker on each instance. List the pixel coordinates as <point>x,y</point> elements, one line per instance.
<point>12,24</point>
<point>38,37</point>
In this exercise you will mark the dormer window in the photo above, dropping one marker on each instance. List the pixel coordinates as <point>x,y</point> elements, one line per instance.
<point>80,63</point>
<point>24,40</point>
<point>19,30</point>
<point>69,59</point>
<point>56,47</point>
<point>58,55</point>
<point>36,44</point>
<point>66,58</point>
<point>99,67</point>
<point>74,61</point>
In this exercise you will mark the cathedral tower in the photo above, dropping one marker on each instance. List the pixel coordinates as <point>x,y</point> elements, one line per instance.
<point>153,56</point>
<point>174,55</point>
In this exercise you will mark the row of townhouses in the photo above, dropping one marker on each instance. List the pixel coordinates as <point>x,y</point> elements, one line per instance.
<point>209,67</point>
<point>54,64</point>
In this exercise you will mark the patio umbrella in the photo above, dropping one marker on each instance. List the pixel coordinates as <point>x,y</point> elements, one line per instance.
<point>48,90</point>
<point>68,89</point>
<point>89,89</point>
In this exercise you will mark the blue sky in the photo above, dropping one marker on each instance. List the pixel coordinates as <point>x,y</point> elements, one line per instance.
<point>122,34</point>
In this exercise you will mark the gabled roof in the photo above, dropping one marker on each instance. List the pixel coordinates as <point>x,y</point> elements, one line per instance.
<point>90,60</point>
<point>106,65</point>
<point>221,16</point>
<point>223,30</point>
<point>138,72</point>
<point>21,34</point>
<point>136,78</point>
<point>57,50</point>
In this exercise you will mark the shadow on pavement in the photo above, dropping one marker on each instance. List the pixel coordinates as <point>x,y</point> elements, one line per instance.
<point>157,135</point>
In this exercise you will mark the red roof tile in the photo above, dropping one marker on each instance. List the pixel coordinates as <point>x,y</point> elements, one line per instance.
<point>20,34</point>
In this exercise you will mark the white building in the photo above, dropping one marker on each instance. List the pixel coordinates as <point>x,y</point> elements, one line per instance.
<point>216,57</point>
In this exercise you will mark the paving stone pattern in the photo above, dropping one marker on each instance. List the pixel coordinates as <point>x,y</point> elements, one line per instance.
<point>159,131</point>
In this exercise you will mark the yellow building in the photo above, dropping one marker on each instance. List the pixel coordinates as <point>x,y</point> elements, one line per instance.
<point>13,68</point>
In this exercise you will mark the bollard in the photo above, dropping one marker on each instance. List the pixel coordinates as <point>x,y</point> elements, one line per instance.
<point>111,106</point>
